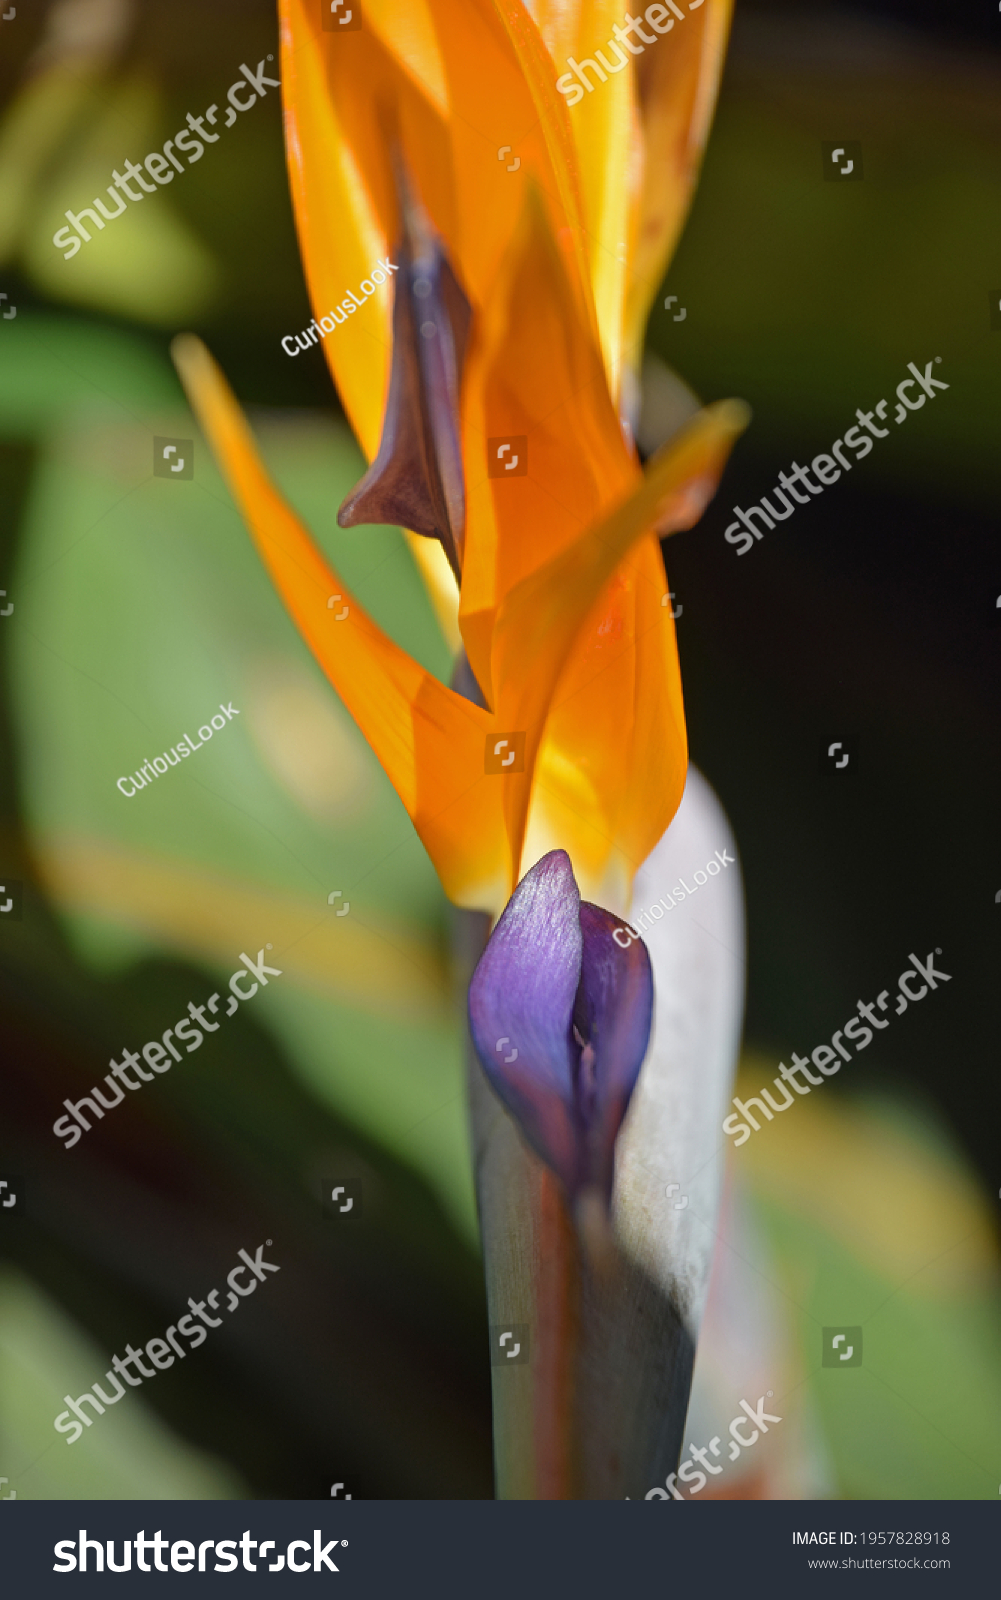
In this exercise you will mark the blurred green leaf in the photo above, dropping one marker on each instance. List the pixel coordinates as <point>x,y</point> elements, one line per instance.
<point>140,607</point>
<point>874,1220</point>
<point>128,1454</point>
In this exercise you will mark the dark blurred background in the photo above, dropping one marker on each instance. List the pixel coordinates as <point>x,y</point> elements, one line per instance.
<point>870,614</point>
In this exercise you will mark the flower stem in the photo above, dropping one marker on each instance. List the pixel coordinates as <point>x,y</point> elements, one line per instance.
<point>557,1297</point>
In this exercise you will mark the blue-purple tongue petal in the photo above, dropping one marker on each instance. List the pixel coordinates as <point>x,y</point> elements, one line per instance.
<point>613,1015</point>
<point>521,1002</point>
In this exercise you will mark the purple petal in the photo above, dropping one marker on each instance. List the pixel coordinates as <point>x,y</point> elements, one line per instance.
<point>521,1002</point>
<point>613,1015</point>
<point>560,1011</point>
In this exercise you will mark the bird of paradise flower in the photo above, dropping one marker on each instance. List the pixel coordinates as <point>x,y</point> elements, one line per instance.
<point>518,309</point>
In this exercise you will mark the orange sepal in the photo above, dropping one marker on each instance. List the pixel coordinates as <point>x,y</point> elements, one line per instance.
<point>430,741</point>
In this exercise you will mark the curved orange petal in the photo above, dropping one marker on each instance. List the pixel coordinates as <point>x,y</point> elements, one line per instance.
<point>429,740</point>
<point>543,619</point>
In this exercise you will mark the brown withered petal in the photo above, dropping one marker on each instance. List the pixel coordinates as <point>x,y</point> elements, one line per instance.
<point>416,480</point>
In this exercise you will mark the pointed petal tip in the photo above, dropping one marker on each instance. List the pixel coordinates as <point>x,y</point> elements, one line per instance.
<point>728,417</point>
<point>734,415</point>
<point>521,1001</point>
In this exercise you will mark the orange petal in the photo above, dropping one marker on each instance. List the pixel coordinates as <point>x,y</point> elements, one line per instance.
<point>430,741</point>
<point>611,767</point>
<point>534,372</point>
<point>338,90</point>
<point>608,143</point>
<point>407,33</point>
<point>533,112</point>
<point>540,619</point>
<point>452,91</point>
